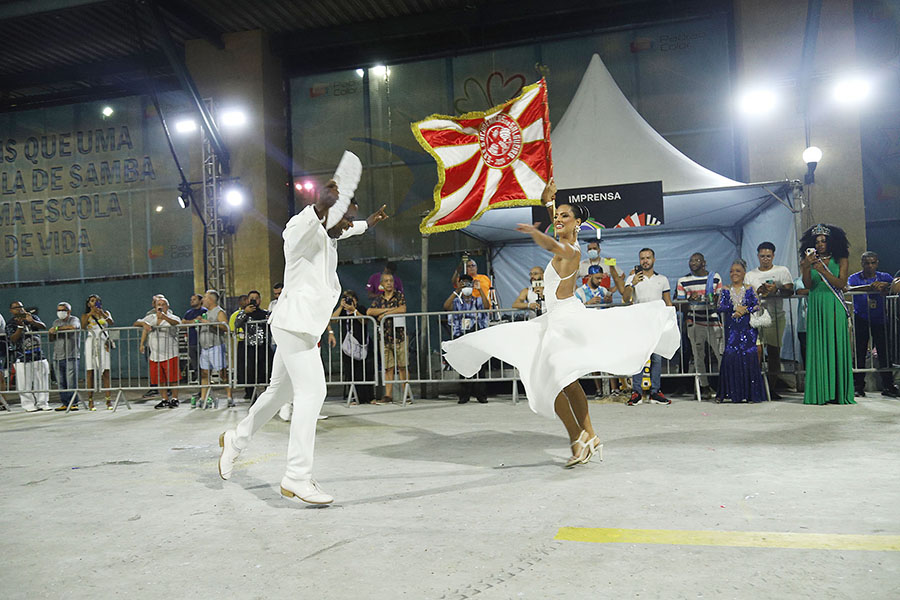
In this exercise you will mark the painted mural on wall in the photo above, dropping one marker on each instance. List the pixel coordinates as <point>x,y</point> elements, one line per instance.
<point>676,75</point>
<point>83,195</point>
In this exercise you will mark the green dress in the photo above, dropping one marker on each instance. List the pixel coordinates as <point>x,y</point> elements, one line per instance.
<point>829,370</point>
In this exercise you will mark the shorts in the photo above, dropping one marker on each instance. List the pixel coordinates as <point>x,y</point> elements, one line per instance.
<point>164,371</point>
<point>772,336</point>
<point>213,359</point>
<point>395,354</point>
<point>91,361</point>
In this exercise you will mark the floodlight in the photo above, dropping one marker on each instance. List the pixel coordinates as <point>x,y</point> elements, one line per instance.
<point>234,196</point>
<point>381,71</point>
<point>757,102</point>
<point>360,72</point>
<point>851,90</point>
<point>233,117</point>
<point>107,111</point>
<point>186,126</point>
<point>309,186</point>
<point>184,200</point>
<point>159,208</point>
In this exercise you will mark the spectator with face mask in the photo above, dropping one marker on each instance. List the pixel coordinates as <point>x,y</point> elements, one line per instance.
<point>463,320</point>
<point>66,349</point>
<point>32,369</point>
<point>481,284</point>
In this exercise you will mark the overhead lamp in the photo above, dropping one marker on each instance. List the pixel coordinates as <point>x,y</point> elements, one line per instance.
<point>107,111</point>
<point>851,90</point>
<point>381,71</point>
<point>186,126</point>
<point>309,186</point>
<point>811,156</point>
<point>757,102</point>
<point>233,117</point>
<point>360,72</point>
<point>159,208</point>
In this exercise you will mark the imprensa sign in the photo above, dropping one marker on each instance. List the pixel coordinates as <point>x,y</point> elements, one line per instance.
<point>84,196</point>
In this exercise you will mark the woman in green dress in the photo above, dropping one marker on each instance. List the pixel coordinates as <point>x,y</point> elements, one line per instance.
<point>824,267</point>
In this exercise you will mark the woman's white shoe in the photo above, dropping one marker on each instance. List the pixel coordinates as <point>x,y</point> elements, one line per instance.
<point>581,450</point>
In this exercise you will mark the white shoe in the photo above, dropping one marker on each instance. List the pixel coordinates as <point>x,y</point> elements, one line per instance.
<point>307,491</point>
<point>229,454</point>
<point>321,417</point>
<point>285,412</point>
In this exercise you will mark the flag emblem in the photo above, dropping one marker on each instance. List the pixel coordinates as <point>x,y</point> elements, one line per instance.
<point>485,160</point>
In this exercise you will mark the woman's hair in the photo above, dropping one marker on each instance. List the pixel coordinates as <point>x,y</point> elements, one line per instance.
<point>87,303</point>
<point>351,294</point>
<point>579,211</point>
<point>741,263</point>
<point>835,240</point>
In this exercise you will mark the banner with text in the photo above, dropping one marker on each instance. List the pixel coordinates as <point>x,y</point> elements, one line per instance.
<point>612,206</point>
<point>86,196</point>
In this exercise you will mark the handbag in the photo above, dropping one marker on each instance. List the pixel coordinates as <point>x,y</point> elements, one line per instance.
<point>353,348</point>
<point>760,318</point>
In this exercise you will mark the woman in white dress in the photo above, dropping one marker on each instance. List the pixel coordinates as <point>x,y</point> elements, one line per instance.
<point>554,350</point>
<point>97,344</point>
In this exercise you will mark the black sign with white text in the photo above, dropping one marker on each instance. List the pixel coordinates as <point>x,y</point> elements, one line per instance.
<point>610,206</point>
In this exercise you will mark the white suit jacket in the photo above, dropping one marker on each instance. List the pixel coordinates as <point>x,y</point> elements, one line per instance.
<point>311,285</point>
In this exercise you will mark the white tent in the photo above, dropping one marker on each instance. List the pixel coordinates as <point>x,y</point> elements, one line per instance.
<point>602,140</point>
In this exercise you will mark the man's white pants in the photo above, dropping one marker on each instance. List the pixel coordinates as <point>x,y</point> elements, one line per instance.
<point>700,336</point>
<point>30,376</point>
<point>298,376</point>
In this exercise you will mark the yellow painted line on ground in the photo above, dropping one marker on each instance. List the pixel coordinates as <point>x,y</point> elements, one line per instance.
<point>748,539</point>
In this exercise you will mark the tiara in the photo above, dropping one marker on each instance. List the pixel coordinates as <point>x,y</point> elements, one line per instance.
<point>820,229</point>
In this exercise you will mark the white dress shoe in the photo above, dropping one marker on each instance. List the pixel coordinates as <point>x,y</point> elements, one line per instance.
<point>285,412</point>
<point>307,491</point>
<point>321,417</point>
<point>229,454</point>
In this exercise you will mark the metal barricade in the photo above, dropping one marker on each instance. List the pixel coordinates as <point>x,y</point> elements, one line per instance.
<point>353,360</point>
<point>253,351</point>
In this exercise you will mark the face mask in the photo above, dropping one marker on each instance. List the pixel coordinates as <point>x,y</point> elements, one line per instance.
<point>61,314</point>
<point>593,254</point>
<point>467,291</point>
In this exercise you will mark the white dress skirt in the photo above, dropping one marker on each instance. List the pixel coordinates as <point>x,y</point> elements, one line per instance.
<point>568,342</point>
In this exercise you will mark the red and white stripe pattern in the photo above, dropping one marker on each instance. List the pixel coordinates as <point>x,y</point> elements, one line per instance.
<point>487,160</point>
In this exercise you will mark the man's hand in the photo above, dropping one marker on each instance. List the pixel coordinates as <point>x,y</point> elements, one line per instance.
<point>142,348</point>
<point>249,309</point>
<point>638,277</point>
<point>377,217</point>
<point>881,286</point>
<point>332,341</point>
<point>595,300</point>
<point>29,318</point>
<point>534,306</point>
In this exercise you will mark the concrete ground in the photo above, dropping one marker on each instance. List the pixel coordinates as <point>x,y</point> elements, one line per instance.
<point>440,501</point>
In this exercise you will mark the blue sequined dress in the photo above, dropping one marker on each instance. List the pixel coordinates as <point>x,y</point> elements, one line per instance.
<point>740,376</point>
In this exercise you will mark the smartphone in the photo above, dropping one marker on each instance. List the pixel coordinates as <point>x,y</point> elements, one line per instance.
<point>810,251</point>
<point>638,269</point>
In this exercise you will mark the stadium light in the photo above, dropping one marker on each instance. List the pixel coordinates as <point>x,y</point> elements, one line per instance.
<point>159,208</point>
<point>811,156</point>
<point>851,90</point>
<point>309,186</point>
<point>233,117</point>
<point>360,72</point>
<point>381,71</point>
<point>107,111</point>
<point>757,102</point>
<point>186,126</point>
<point>234,195</point>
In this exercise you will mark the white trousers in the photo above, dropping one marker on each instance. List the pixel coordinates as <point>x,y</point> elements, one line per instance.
<point>298,377</point>
<point>32,376</point>
<point>700,336</point>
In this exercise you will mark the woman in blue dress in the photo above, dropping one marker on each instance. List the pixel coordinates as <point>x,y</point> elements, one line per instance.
<point>740,376</point>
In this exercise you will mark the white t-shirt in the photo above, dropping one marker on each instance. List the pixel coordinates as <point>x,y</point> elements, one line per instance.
<point>163,342</point>
<point>778,274</point>
<point>650,289</point>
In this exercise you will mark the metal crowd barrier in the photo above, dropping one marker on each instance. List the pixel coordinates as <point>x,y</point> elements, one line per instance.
<point>359,365</point>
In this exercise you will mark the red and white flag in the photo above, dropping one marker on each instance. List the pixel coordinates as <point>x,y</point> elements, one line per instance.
<point>491,159</point>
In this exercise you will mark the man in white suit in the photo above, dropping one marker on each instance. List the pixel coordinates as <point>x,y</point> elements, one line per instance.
<point>311,290</point>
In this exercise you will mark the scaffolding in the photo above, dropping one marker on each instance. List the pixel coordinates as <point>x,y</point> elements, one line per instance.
<point>216,255</point>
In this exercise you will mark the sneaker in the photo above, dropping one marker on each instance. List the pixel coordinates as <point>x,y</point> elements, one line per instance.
<point>860,393</point>
<point>891,392</point>
<point>193,401</point>
<point>482,400</point>
<point>150,394</point>
<point>231,402</point>
<point>173,403</point>
<point>658,398</point>
<point>162,404</point>
<point>209,403</point>
<point>462,401</point>
<point>635,399</point>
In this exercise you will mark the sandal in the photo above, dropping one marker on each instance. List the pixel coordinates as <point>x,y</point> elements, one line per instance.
<point>385,400</point>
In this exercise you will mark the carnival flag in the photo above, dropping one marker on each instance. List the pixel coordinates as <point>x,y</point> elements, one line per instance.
<point>487,160</point>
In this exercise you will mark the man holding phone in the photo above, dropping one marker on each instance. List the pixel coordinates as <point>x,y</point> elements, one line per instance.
<point>645,285</point>
<point>772,283</point>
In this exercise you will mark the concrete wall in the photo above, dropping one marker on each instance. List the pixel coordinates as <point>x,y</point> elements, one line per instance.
<point>245,74</point>
<point>769,41</point>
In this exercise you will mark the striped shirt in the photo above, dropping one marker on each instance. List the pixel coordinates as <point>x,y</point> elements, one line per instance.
<point>699,311</point>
